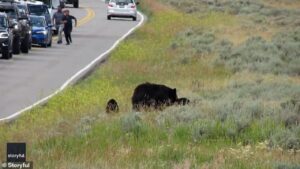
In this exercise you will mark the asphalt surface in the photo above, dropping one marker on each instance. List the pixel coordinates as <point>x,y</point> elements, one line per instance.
<point>28,78</point>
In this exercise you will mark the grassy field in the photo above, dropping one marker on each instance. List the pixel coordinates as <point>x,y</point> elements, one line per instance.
<point>238,63</point>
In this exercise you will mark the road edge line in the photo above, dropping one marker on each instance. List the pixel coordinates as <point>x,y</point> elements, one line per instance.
<point>78,74</point>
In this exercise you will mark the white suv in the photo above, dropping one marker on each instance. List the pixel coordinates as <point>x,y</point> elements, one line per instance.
<point>122,9</point>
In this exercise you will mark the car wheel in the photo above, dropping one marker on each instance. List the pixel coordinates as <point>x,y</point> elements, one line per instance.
<point>76,4</point>
<point>134,18</point>
<point>6,54</point>
<point>25,44</point>
<point>30,45</point>
<point>108,17</point>
<point>44,45</point>
<point>16,45</point>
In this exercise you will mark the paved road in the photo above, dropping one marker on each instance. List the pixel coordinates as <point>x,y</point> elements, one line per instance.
<point>28,78</point>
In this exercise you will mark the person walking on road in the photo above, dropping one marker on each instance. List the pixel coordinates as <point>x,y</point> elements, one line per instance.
<point>68,26</point>
<point>58,23</point>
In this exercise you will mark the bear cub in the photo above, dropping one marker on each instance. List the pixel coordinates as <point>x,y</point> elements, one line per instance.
<point>182,101</point>
<point>112,106</point>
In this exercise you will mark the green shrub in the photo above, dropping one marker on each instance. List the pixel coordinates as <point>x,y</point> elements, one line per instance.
<point>194,43</point>
<point>280,56</point>
<point>254,9</point>
<point>182,134</point>
<point>132,124</point>
<point>176,115</point>
<point>286,166</point>
<point>287,139</point>
<point>170,154</point>
<point>85,125</point>
<point>207,130</point>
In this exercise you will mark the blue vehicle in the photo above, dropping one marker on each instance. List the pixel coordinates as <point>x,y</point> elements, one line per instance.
<point>41,31</point>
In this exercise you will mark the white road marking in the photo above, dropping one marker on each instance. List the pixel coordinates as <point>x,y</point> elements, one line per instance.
<point>78,74</point>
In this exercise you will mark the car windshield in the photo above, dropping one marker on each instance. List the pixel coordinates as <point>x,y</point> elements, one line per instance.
<point>51,3</point>
<point>3,22</point>
<point>47,2</point>
<point>10,13</point>
<point>38,9</point>
<point>55,3</point>
<point>22,9</point>
<point>38,21</point>
<point>122,1</point>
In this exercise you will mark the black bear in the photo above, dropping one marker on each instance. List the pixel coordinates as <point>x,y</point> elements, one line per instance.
<point>112,106</point>
<point>149,95</point>
<point>182,101</point>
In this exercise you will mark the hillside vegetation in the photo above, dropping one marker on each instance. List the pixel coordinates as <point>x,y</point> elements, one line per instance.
<point>236,60</point>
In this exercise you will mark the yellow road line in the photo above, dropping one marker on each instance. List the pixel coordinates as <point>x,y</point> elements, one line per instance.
<point>89,16</point>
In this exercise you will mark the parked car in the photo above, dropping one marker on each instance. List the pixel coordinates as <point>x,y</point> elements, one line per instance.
<point>41,31</point>
<point>122,8</point>
<point>23,10</point>
<point>74,2</point>
<point>53,4</point>
<point>6,37</point>
<point>40,10</point>
<point>22,29</point>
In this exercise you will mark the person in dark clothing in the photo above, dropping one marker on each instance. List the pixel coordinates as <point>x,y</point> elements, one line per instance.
<point>68,26</point>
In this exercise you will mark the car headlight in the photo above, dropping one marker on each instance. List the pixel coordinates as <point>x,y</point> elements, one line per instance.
<point>3,35</point>
<point>16,27</point>
<point>43,32</point>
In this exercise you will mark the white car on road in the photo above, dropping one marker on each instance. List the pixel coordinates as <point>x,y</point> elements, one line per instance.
<point>122,9</point>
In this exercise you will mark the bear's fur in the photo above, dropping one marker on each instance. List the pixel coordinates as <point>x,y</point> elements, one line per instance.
<point>112,106</point>
<point>149,95</point>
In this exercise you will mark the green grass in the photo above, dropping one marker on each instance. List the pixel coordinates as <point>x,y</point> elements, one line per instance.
<point>229,110</point>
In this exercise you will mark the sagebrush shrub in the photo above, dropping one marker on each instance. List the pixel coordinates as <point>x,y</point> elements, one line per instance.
<point>85,125</point>
<point>194,43</point>
<point>286,166</point>
<point>176,115</point>
<point>287,139</point>
<point>205,129</point>
<point>280,56</point>
<point>254,9</point>
<point>133,124</point>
